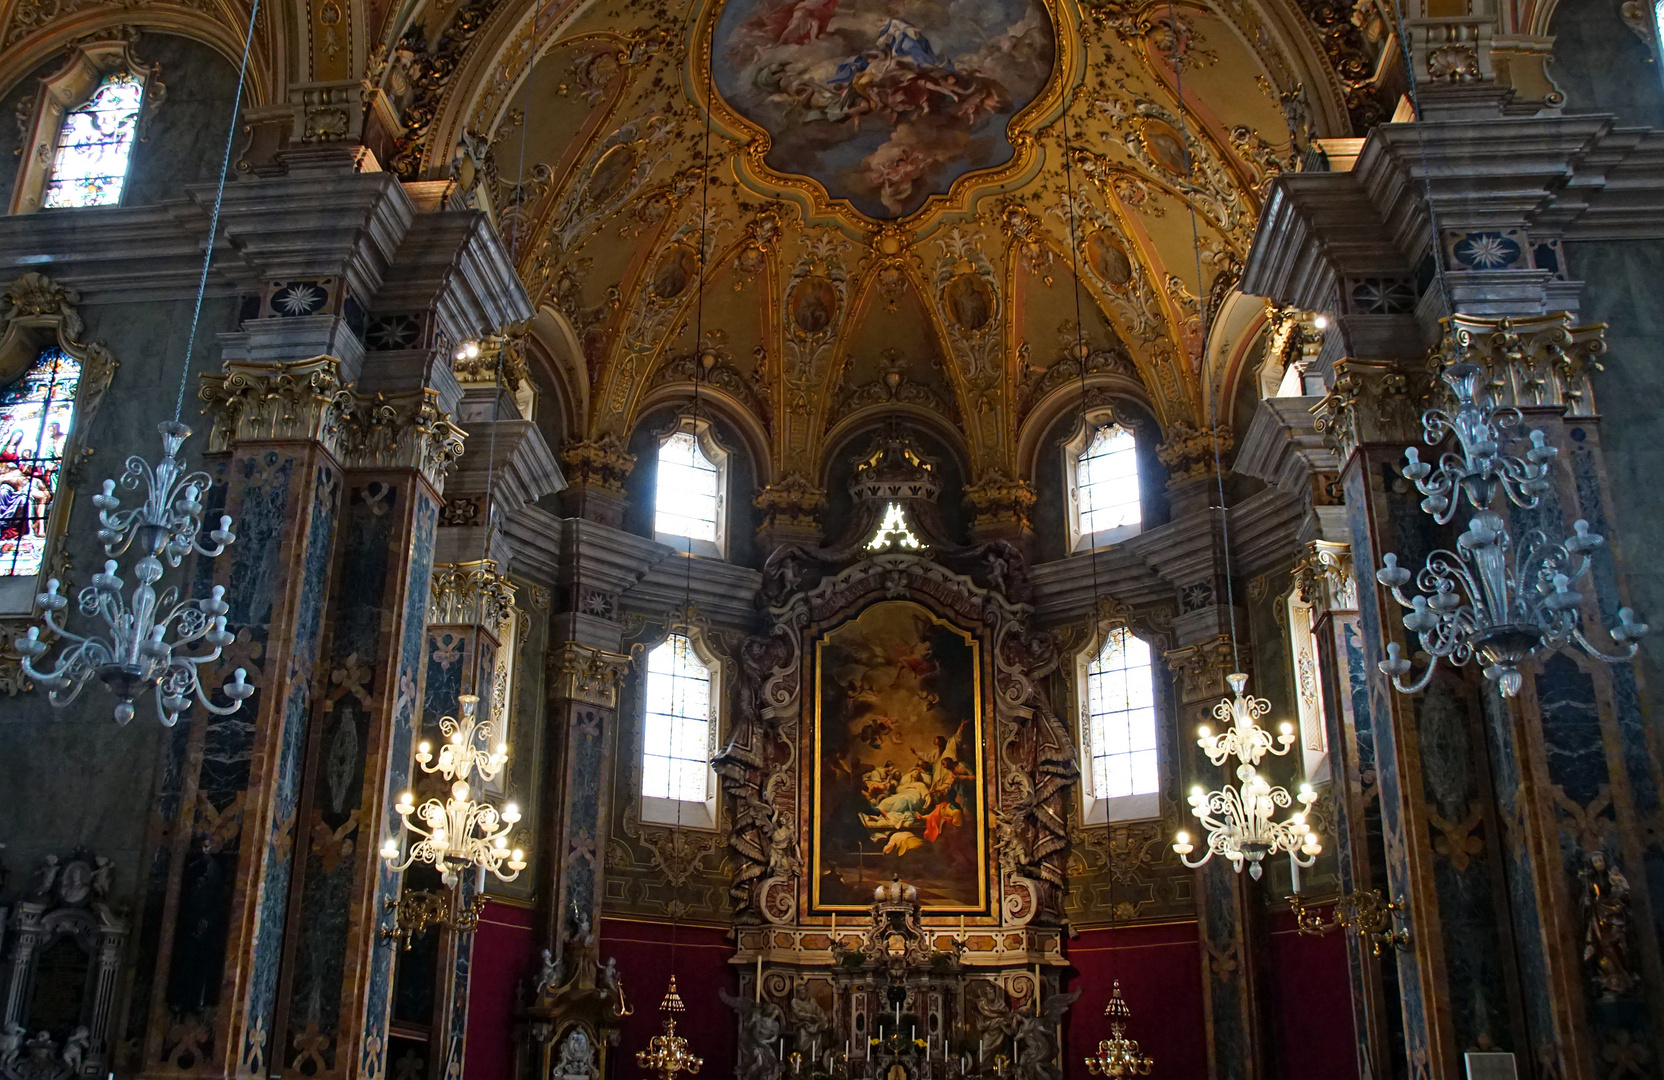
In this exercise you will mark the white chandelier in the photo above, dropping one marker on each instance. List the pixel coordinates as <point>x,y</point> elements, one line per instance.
<point>1238,820</point>
<point>461,831</point>
<point>137,653</point>
<point>1487,599</point>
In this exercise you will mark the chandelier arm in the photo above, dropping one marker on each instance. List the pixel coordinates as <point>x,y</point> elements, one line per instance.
<point>1420,684</point>
<point>1626,650</point>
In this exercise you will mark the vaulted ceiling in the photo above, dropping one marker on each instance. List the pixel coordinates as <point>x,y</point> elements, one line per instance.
<point>833,207</point>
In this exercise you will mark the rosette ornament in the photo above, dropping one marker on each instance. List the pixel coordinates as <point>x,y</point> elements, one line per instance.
<point>1240,821</point>
<point>146,637</point>
<point>459,831</point>
<point>1492,599</point>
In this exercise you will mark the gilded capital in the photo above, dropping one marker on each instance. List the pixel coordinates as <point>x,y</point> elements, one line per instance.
<point>580,673</point>
<point>280,402</point>
<point>1192,453</point>
<point>1323,577</point>
<point>601,463</point>
<point>998,501</point>
<point>1371,402</point>
<point>1539,360</point>
<point>470,594</point>
<point>794,502</point>
<point>1201,668</point>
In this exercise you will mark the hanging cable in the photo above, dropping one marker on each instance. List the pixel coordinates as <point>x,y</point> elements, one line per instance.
<point>1204,332</point>
<point>214,218</point>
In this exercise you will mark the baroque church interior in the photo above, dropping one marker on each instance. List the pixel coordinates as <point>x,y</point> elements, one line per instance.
<point>831,539</point>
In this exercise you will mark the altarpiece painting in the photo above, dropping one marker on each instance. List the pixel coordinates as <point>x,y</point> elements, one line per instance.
<point>898,768</point>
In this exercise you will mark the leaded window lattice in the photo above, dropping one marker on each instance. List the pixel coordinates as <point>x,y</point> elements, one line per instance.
<point>36,411</point>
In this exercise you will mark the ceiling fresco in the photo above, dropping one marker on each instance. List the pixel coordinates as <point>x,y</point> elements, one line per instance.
<point>884,103</point>
<point>838,209</point>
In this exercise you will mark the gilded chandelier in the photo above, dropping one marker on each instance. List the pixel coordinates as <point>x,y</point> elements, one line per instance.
<point>1239,820</point>
<point>146,631</point>
<point>668,1054</point>
<point>460,831</point>
<point>1488,599</point>
<point>1118,1055</point>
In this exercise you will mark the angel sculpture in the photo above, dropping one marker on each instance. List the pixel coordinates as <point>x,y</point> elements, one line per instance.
<point>760,1024</point>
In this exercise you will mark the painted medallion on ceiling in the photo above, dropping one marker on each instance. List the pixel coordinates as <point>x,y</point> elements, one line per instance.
<point>883,102</point>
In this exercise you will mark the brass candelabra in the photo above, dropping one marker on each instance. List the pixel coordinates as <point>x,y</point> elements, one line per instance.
<point>417,909</point>
<point>1368,913</point>
<point>668,1054</point>
<point>1119,1055</point>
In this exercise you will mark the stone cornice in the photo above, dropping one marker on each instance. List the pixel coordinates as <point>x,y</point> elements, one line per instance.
<point>513,458</point>
<point>1283,446</point>
<point>453,263</point>
<point>1567,177</point>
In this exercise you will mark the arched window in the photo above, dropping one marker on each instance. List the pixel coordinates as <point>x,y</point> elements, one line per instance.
<point>678,728</point>
<point>1118,745</point>
<point>690,496</point>
<point>89,164</point>
<point>1101,464</point>
<point>36,412</point>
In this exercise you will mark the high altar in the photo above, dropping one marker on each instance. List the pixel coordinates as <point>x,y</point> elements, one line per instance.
<point>901,782</point>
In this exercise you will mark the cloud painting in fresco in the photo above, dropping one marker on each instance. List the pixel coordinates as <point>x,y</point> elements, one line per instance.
<point>885,102</point>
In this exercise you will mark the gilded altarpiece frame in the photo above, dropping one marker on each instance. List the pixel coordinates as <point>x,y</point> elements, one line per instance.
<point>1025,766</point>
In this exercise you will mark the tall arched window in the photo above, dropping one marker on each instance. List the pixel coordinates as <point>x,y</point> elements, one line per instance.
<point>36,412</point>
<point>677,784</point>
<point>1101,464</point>
<point>89,164</point>
<point>690,496</point>
<point>1121,767</point>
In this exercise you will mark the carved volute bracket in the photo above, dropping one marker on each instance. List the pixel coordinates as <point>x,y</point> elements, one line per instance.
<point>1371,402</point>
<point>1539,361</point>
<point>471,594</point>
<point>1323,578</point>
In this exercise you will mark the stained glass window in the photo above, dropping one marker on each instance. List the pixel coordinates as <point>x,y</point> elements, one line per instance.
<point>35,415</point>
<point>90,165</point>
<point>1106,481</point>
<point>1121,718</point>
<point>676,738</point>
<point>689,495</point>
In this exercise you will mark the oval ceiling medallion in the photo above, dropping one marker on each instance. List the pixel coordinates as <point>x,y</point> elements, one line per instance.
<point>814,304</point>
<point>1163,145</point>
<point>610,174</point>
<point>884,104</point>
<point>970,301</point>
<point>1108,259</point>
<point>675,269</point>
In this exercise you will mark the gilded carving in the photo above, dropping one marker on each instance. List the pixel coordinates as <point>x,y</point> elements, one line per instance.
<point>1194,453</point>
<point>601,463</point>
<point>998,500</point>
<point>1201,668</point>
<point>305,400</point>
<point>580,673</point>
<point>470,593</point>
<point>1323,577</point>
<point>1534,361</point>
<point>1371,402</point>
<point>794,501</point>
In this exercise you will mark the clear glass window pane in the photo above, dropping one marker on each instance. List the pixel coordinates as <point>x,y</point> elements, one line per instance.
<point>94,143</point>
<point>1106,481</point>
<point>35,415</point>
<point>688,496</point>
<point>1121,721</point>
<point>676,734</point>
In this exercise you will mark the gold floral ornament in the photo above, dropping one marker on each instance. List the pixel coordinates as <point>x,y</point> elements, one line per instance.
<point>668,1054</point>
<point>460,831</point>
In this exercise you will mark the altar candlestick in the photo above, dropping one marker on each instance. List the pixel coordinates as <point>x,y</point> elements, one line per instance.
<point>759,977</point>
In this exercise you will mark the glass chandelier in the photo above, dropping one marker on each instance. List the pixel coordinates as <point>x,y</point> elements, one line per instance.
<point>146,632</point>
<point>668,1054</point>
<point>1488,599</point>
<point>1118,1055</point>
<point>460,831</point>
<point>1239,820</point>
